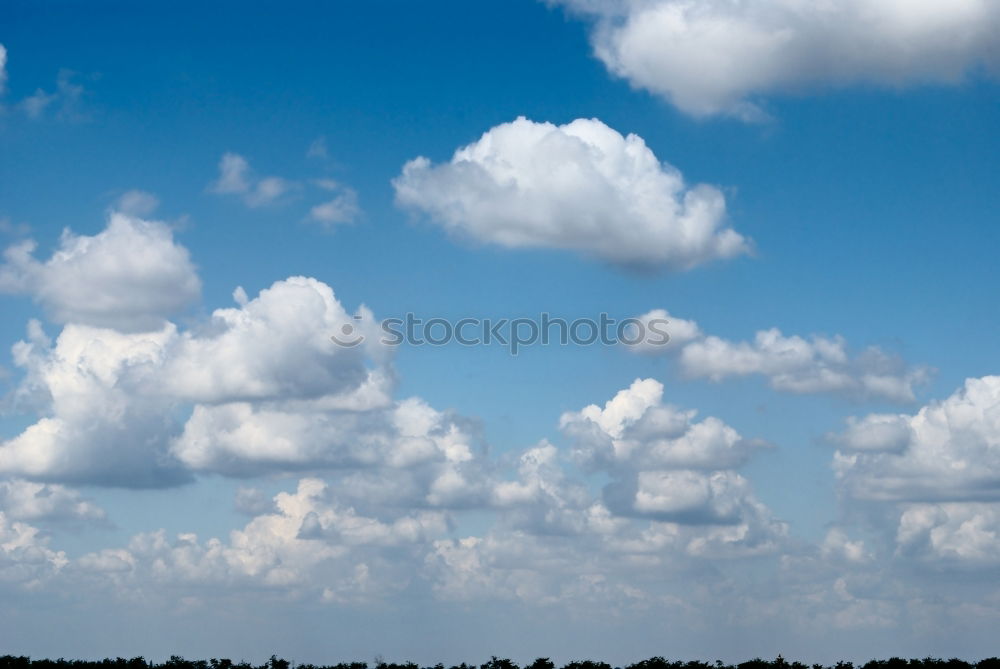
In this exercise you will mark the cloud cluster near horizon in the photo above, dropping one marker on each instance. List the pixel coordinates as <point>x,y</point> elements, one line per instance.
<point>385,483</point>
<point>259,390</point>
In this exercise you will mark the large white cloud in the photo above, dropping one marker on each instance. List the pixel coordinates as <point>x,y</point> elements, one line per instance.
<point>956,533</point>
<point>635,429</point>
<point>255,388</point>
<point>276,346</point>
<point>793,364</point>
<point>667,467</point>
<point>935,475</point>
<point>717,56</point>
<point>580,186</point>
<point>131,276</point>
<point>114,404</point>
<point>240,438</point>
<point>947,451</point>
<point>97,422</point>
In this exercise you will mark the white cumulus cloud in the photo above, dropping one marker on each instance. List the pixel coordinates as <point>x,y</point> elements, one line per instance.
<point>719,56</point>
<point>963,533</point>
<point>113,404</point>
<point>636,429</point>
<point>98,422</point>
<point>276,346</point>
<point>240,438</point>
<point>947,451</point>
<point>130,276</point>
<point>934,474</point>
<point>666,466</point>
<point>582,187</point>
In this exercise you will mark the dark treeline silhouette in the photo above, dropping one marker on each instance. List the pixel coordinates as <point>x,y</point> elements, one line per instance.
<point>177,662</point>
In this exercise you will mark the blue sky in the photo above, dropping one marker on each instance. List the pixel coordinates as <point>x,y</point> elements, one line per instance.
<point>855,152</point>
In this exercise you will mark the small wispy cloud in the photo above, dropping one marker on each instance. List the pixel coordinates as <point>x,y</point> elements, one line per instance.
<point>342,209</point>
<point>317,148</point>
<point>64,103</point>
<point>237,178</point>
<point>136,203</point>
